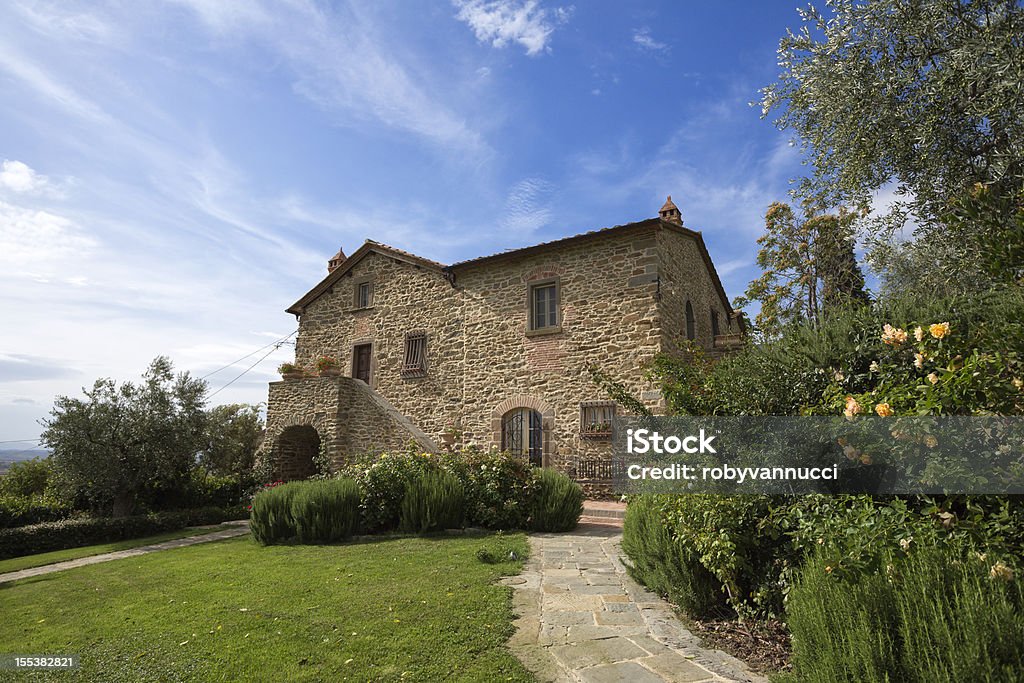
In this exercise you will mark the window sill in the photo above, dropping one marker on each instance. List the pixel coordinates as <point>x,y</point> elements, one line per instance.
<point>544,331</point>
<point>413,374</point>
<point>596,436</point>
<point>360,309</point>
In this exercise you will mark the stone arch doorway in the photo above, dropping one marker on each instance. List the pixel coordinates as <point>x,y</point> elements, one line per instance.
<point>296,448</point>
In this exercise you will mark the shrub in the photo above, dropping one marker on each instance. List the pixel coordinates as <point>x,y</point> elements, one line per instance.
<point>26,478</point>
<point>930,615</point>
<point>325,511</point>
<point>497,486</point>
<point>73,533</point>
<point>271,515</point>
<point>662,563</point>
<point>22,510</point>
<point>433,502</point>
<point>557,503</point>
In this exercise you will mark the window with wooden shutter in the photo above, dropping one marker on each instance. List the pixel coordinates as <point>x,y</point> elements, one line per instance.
<point>415,362</point>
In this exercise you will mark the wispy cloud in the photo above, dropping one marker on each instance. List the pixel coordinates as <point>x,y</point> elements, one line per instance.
<point>527,208</point>
<point>501,22</point>
<point>642,37</point>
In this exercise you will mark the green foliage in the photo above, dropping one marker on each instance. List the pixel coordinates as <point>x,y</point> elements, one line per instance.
<point>129,443</point>
<point>499,549</point>
<point>270,517</point>
<point>925,93</point>
<point>497,486</point>
<point>233,433</point>
<point>433,502</point>
<point>325,511</point>
<point>21,510</point>
<point>664,565</point>
<point>72,533</point>
<point>26,478</point>
<point>557,503</point>
<point>930,615</point>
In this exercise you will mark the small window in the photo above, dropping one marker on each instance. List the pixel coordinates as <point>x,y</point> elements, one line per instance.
<point>596,419</point>
<point>691,322</point>
<point>415,364</point>
<point>544,306</point>
<point>363,293</point>
<point>714,323</point>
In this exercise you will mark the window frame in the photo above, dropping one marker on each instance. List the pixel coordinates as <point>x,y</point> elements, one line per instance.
<point>357,285</point>
<point>716,328</point>
<point>531,312</point>
<point>691,322</point>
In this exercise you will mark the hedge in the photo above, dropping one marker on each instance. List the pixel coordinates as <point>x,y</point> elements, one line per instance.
<point>74,533</point>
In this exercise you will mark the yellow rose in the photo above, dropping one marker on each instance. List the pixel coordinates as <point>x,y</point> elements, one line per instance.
<point>883,410</point>
<point>939,330</point>
<point>930,441</point>
<point>893,336</point>
<point>919,360</point>
<point>933,378</point>
<point>918,333</point>
<point>1001,571</point>
<point>852,407</point>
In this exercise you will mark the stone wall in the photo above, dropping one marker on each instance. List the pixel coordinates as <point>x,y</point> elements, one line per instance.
<point>350,419</point>
<point>685,277</point>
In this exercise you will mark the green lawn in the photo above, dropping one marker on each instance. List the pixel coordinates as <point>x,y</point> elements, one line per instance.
<point>15,563</point>
<point>407,609</point>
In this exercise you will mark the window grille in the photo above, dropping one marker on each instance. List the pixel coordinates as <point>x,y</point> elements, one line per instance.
<point>415,363</point>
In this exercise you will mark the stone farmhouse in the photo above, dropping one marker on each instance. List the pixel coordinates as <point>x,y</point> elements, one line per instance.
<point>495,349</point>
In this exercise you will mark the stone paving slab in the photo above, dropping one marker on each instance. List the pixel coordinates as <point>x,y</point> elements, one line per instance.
<point>582,619</point>
<point>238,529</point>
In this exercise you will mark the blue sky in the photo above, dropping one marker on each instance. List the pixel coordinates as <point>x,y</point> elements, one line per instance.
<point>175,174</point>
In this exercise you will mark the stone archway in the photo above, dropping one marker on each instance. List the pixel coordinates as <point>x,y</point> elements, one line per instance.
<point>295,449</point>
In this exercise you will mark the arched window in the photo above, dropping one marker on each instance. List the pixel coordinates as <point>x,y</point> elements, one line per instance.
<point>522,434</point>
<point>691,322</point>
<point>714,323</point>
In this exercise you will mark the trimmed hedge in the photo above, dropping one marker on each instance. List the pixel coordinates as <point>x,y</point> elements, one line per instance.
<point>74,533</point>
<point>557,503</point>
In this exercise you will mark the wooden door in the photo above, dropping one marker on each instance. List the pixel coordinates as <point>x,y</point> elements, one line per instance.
<point>361,356</point>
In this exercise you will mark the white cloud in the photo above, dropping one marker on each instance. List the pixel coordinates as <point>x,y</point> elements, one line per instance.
<point>501,22</point>
<point>642,37</point>
<point>18,176</point>
<point>35,241</point>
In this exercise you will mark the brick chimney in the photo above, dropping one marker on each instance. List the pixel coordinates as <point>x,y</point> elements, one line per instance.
<point>670,212</point>
<point>336,261</point>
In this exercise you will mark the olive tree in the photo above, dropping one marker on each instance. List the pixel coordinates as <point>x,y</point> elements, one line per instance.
<point>927,95</point>
<point>122,443</point>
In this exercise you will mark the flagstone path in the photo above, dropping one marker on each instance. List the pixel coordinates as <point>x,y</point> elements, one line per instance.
<point>583,619</point>
<point>238,528</point>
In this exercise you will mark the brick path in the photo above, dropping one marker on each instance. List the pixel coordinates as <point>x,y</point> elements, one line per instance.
<point>582,618</point>
<point>240,527</point>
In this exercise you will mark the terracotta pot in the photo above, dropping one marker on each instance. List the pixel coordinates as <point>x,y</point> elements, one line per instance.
<point>331,372</point>
<point>292,376</point>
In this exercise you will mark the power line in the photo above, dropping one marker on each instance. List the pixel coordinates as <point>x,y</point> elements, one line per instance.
<point>22,441</point>
<point>276,344</point>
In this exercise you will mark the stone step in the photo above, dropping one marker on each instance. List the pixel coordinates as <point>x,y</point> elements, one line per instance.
<point>604,509</point>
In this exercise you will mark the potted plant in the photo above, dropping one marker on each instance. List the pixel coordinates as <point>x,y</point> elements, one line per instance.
<point>327,366</point>
<point>290,371</point>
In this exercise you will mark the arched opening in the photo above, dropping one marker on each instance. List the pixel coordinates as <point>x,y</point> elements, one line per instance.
<point>296,449</point>
<point>522,434</point>
<point>691,322</point>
